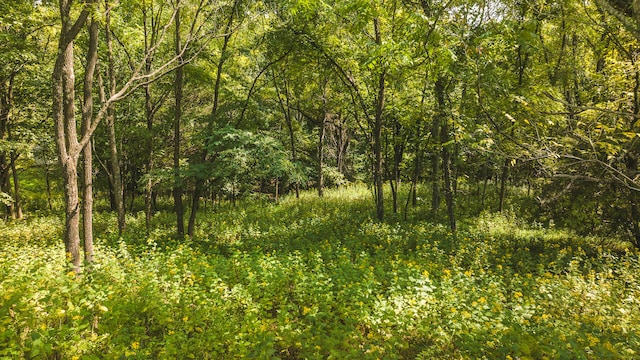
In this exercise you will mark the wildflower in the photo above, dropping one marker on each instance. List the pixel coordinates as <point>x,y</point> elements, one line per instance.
<point>135,345</point>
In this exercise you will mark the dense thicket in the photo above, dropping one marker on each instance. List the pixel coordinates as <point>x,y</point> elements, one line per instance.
<point>207,101</point>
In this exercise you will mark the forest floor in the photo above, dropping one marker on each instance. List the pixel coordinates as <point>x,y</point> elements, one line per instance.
<point>318,279</point>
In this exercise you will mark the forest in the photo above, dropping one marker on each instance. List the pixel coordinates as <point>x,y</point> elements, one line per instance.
<point>319,179</point>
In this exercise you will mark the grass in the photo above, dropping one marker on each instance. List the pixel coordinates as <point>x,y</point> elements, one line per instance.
<point>317,279</point>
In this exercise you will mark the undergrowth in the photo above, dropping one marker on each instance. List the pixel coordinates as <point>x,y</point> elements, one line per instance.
<point>318,279</point>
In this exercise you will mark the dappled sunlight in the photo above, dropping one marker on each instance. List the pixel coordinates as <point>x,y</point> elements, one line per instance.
<point>289,280</point>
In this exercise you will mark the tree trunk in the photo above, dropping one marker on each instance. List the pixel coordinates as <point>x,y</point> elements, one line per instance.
<point>16,188</point>
<point>87,154</point>
<point>435,166</point>
<point>286,111</point>
<point>47,180</point>
<point>7,162</point>
<point>446,170</point>
<point>417,167</point>
<point>503,184</point>
<point>150,36</point>
<point>114,159</point>
<point>436,130</point>
<point>294,156</point>
<point>321,135</point>
<point>63,110</point>
<point>377,133</point>
<point>177,118</point>
<point>446,154</point>
<point>398,152</point>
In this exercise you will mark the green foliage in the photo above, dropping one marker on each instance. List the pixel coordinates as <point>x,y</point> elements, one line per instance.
<point>318,278</point>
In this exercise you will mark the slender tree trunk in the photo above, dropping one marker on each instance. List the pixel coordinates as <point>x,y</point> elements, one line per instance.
<point>286,111</point>
<point>87,155</point>
<point>377,133</point>
<point>6,161</point>
<point>294,156</point>
<point>321,136</point>
<point>484,189</point>
<point>503,184</point>
<point>631,163</point>
<point>446,154</point>
<point>16,188</point>
<point>150,36</point>
<point>435,166</point>
<point>5,185</point>
<point>177,118</point>
<point>114,158</point>
<point>436,130</point>
<point>391,177</point>
<point>417,167</point>
<point>446,170</point>
<point>398,152</point>
<point>47,179</point>
<point>148,194</point>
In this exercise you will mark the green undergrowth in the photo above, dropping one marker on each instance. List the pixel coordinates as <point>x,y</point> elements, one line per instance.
<point>318,279</point>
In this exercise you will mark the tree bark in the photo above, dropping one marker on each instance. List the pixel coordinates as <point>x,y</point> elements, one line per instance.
<point>87,154</point>
<point>6,163</point>
<point>177,118</point>
<point>63,109</point>
<point>377,133</point>
<point>114,158</point>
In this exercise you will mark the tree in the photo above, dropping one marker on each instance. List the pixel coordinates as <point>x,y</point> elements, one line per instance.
<point>69,144</point>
